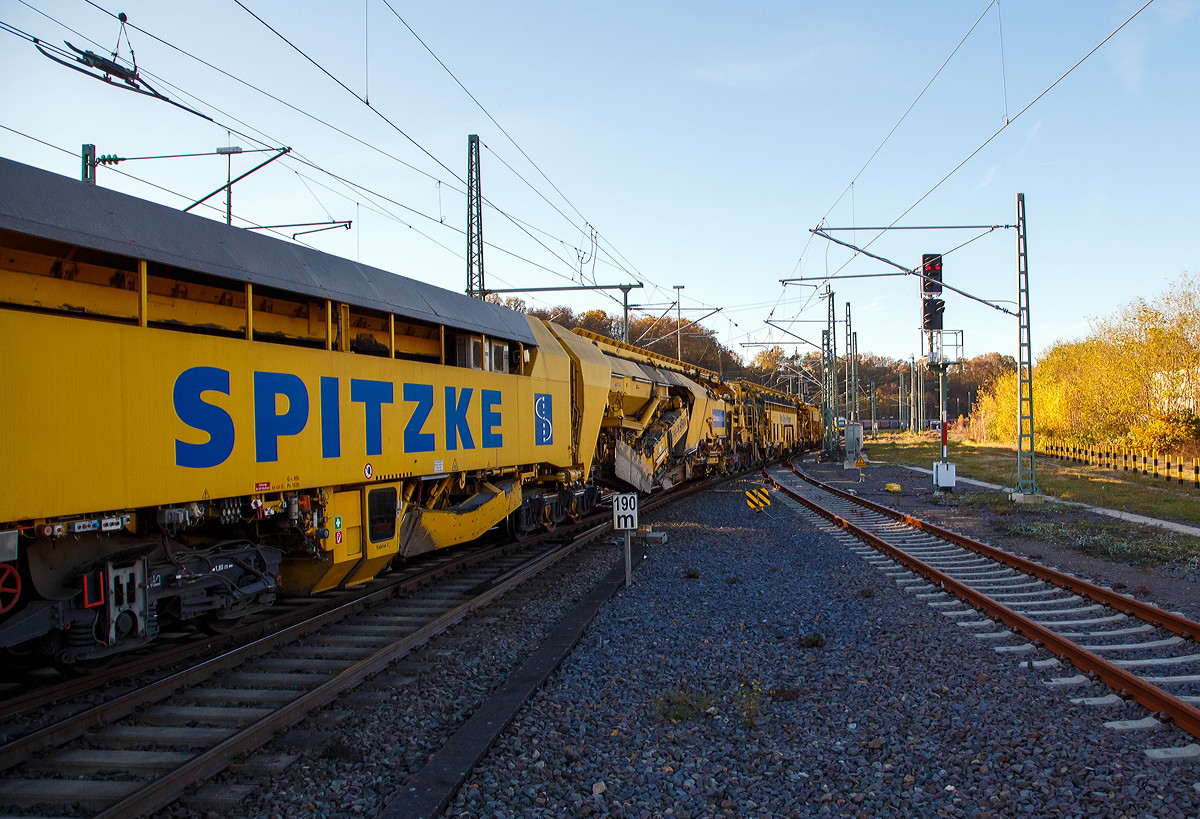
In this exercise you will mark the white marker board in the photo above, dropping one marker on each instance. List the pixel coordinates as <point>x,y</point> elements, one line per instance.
<point>625,512</point>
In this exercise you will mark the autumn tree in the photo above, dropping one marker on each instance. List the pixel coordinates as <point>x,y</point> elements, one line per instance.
<point>769,359</point>
<point>1134,379</point>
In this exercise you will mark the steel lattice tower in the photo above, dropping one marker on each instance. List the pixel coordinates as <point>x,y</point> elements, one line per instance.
<point>829,389</point>
<point>828,425</point>
<point>914,414</point>
<point>849,368</point>
<point>474,221</point>
<point>834,398</point>
<point>854,375</point>
<point>1026,482</point>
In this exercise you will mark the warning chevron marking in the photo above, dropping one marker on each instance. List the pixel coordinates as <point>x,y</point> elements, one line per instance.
<point>758,499</point>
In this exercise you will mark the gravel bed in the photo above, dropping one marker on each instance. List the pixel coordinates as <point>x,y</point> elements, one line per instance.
<point>355,754</point>
<point>705,690</point>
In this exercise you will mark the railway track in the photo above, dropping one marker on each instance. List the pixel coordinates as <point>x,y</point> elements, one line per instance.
<point>35,689</point>
<point>211,713</point>
<point>137,752</point>
<point>1140,651</point>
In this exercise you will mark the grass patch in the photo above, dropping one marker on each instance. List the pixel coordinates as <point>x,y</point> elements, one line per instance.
<point>996,464</point>
<point>1136,545</point>
<point>681,704</point>
<point>749,701</point>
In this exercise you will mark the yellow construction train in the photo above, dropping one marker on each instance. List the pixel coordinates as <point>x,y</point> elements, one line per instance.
<point>199,418</point>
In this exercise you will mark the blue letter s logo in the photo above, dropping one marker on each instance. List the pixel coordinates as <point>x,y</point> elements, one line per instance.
<point>543,418</point>
<point>193,411</point>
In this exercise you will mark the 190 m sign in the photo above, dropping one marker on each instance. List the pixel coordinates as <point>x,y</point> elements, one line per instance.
<point>625,512</point>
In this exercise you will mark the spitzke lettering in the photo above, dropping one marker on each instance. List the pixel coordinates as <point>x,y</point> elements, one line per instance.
<point>365,395</point>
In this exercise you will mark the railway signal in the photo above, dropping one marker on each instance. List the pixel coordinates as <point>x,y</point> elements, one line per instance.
<point>938,362</point>
<point>931,269</point>
<point>930,273</point>
<point>931,313</point>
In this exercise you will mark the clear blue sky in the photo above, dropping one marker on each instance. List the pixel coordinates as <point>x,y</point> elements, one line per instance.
<point>702,141</point>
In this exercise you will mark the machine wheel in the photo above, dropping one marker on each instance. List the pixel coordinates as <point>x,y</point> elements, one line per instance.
<point>217,626</point>
<point>514,528</point>
<point>558,512</point>
<point>10,587</point>
<point>518,524</point>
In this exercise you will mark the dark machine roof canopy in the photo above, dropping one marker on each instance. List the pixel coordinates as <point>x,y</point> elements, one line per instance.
<point>50,206</point>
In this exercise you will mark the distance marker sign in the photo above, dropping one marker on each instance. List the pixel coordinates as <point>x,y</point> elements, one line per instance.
<point>625,512</point>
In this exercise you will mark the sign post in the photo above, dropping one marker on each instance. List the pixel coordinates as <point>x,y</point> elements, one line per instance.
<point>625,519</point>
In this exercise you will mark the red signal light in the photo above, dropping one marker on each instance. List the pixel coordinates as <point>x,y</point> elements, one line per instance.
<point>931,273</point>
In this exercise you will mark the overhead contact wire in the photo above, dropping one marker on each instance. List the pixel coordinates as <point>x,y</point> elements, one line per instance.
<point>405,134</point>
<point>494,122</point>
<point>907,111</point>
<point>295,156</point>
<point>1003,127</point>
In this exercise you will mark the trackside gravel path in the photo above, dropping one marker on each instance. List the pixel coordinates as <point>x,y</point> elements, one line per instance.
<point>899,713</point>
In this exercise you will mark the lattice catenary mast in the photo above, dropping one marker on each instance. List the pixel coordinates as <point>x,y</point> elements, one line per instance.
<point>1026,482</point>
<point>474,221</point>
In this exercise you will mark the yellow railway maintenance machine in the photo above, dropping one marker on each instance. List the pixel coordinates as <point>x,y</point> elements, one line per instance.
<point>664,420</point>
<point>199,418</point>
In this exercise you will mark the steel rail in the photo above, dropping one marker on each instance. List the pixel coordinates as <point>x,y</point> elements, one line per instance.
<point>1126,684</point>
<point>1152,614</point>
<point>180,653</point>
<point>17,751</point>
<point>162,791</point>
<point>168,655</point>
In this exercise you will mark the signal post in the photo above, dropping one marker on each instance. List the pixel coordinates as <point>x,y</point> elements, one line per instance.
<point>944,352</point>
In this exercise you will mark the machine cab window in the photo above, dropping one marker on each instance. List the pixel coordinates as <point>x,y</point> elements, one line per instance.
<point>382,505</point>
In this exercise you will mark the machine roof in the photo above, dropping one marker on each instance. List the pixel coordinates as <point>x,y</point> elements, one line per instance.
<point>50,206</point>
<point>636,369</point>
